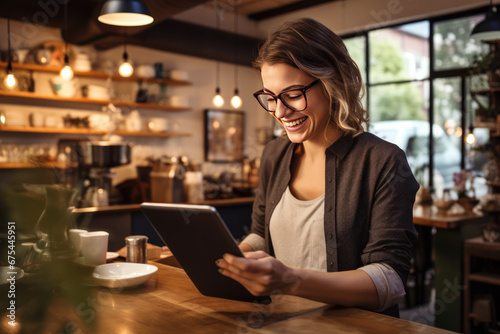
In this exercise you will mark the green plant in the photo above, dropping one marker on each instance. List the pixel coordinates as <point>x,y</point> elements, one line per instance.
<point>481,64</point>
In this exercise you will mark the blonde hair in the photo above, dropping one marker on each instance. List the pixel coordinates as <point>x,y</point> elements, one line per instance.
<point>316,50</point>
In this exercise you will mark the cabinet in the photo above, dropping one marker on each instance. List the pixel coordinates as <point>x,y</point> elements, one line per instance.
<point>23,97</point>
<point>482,286</point>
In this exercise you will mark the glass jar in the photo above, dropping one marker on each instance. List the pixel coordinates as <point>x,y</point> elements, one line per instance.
<point>52,227</point>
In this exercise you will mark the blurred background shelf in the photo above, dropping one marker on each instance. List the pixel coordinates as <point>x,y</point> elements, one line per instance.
<point>96,74</point>
<point>86,131</point>
<point>28,95</point>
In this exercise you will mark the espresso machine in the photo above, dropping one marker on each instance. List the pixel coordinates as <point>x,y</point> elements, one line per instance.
<point>97,158</point>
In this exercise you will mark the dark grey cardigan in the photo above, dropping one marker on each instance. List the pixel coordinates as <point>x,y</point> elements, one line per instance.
<point>369,196</point>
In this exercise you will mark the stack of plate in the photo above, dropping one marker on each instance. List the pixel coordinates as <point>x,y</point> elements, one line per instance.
<point>82,63</point>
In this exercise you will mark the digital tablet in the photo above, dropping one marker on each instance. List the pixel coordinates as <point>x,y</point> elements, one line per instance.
<point>197,236</point>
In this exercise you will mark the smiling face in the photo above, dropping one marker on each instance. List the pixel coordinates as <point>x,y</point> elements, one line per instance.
<point>301,126</point>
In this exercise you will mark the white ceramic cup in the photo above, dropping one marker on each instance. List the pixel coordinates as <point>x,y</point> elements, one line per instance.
<point>74,236</point>
<point>94,247</point>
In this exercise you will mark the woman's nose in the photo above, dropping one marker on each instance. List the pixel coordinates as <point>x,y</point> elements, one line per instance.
<point>282,110</point>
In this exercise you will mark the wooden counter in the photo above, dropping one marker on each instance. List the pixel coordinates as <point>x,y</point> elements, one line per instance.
<point>429,216</point>
<point>136,207</point>
<point>170,303</point>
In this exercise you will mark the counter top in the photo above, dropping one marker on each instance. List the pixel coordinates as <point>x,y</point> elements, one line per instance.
<point>170,303</point>
<point>136,207</point>
<point>429,216</point>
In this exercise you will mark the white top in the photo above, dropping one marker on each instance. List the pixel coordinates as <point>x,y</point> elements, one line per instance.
<point>297,230</point>
<point>296,227</point>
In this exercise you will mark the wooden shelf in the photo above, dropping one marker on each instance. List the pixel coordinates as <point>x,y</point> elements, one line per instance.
<point>486,91</point>
<point>478,248</point>
<point>85,131</point>
<point>489,278</point>
<point>27,165</point>
<point>487,125</point>
<point>152,134</point>
<point>95,74</point>
<point>34,96</point>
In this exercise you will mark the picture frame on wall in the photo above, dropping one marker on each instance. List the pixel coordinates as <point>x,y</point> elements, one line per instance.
<point>224,135</point>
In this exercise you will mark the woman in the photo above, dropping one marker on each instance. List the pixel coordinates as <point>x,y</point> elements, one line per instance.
<point>332,217</point>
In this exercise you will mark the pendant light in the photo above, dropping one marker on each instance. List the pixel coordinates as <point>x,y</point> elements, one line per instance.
<point>128,13</point>
<point>126,69</point>
<point>66,72</point>
<point>489,28</point>
<point>10,80</point>
<point>217,101</point>
<point>470,139</point>
<point>236,100</point>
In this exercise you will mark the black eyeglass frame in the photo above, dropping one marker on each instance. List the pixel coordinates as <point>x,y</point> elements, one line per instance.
<point>276,97</point>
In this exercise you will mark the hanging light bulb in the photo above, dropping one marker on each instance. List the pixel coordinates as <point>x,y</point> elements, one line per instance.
<point>10,80</point>
<point>66,72</point>
<point>470,139</point>
<point>218,101</point>
<point>126,69</point>
<point>236,99</point>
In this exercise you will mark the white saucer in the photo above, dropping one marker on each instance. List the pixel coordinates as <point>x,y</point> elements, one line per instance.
<point>111,256</point>
<point>123,274</point>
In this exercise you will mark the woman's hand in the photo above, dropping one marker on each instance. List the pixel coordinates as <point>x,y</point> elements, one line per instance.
<point>259,272</point>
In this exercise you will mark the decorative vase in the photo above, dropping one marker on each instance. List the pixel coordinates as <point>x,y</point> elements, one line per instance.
<point>52,227</point>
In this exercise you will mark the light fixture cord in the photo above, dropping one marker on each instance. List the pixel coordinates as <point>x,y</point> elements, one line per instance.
<point>8,40</point>
<point>235,53</point>
<point>217,24</point>
<point>66,57</point>
<point>125,43</point>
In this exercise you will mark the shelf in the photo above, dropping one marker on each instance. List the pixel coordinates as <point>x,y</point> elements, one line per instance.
<point>485,91</point>
<point>28,165</point>
<point>152,134</point>
<point>34,96</point>
<point>489,278</point>
<point>85,131</point>
<point>487,125</point>
<point>95,74</point>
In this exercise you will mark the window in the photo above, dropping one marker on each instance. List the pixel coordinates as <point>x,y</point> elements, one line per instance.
<point>402,79</point>
<point>395,53</point>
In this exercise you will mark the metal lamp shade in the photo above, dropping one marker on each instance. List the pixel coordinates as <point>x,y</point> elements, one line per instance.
<point>128,13</point>
<point>489,28</point>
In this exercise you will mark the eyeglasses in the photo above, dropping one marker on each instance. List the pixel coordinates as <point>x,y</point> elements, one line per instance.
<point>294,99</point>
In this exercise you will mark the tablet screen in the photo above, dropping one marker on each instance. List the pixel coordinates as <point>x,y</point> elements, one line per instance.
<point>197,236</point>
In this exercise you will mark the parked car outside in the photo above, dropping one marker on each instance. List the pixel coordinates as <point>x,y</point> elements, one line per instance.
<point>413,138</point>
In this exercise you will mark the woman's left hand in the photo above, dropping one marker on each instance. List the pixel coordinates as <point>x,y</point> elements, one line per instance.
<point>259,272</point>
